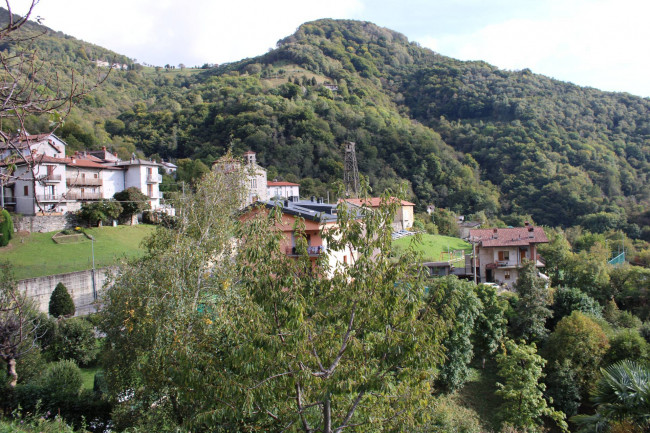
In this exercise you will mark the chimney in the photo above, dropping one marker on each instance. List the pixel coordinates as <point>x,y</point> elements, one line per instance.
<point>104,148</point>
<point>286,203</point>
<point>495,231</point>
<point>313,198</point>
<point>320,200</point>
<point>526,223</point>
<point>531,229</point>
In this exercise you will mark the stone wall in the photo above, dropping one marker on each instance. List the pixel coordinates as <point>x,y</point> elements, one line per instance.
<point>42,223</point>
<point>79,285</point>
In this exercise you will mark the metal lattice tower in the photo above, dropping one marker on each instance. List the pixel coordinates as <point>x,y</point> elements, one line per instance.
<point>351,171</point>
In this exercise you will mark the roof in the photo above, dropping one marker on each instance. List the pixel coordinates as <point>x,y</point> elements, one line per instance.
<point>374,201</point>
<point>307,209</point>
<point>518,236</point>
<point>72,162</point>
<point>25,141</point>
<point>282,184</point>
<point>136,161</point>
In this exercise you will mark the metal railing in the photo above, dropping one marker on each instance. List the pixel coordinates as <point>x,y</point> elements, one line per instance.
<point>50,178</point>
<point>77,195</point>
<point>86,181</point>
<point>154,178</point>
<point>50,197</point>
<point>311,250</point>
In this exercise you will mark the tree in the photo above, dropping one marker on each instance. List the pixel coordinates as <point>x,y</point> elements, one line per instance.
<point>567,300</point>
<point>133,201</point>
<point>524,405</point>
<point>61,303</point>
<point>29,88</point>
<point>458,343</point>
<point>581,341</point>
<point>531,311</point>
<point>6,228</point>
<point>252,339</point>
<point>490,328</point>
<point>74,339</point>
<point>99,211</point>
<point>622,394</point>
<point>18,324</point>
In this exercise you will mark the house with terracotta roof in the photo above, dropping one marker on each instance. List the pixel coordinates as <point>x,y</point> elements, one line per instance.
<point>41,179</point>
<point>501,252</point>
<point>403,217</point>
<point>278,189</point>
<point>318,217</point>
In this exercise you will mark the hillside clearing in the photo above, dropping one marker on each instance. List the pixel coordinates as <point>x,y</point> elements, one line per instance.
<point>36,254</point>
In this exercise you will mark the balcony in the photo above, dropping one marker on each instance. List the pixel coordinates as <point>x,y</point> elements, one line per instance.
<point>154,178</point>
<point>84,181</point>
<point>78,195</point>
<point>50,198</point>
<point>313,251</point>
<point>50,178</point>
<point>502,264</point>
<point>8,200</point>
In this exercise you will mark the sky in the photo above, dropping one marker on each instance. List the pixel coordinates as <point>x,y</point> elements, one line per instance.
<point>596,43</point>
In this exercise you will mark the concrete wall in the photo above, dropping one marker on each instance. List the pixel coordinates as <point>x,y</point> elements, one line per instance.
<point>79,285</point>
<point>42,223</point>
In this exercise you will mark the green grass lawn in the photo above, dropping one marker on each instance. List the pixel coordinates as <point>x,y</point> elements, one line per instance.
<point>432,246</point>
<point>36,254</point>
<point>478,394</point>
<point>88,376</point>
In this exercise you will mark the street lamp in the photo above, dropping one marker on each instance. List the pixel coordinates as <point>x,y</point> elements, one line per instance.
<point>92,245</point>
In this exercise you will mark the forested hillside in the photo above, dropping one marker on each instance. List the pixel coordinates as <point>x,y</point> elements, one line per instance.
<point>465,135</point>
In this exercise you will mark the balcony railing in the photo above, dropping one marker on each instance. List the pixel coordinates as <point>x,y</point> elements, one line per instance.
<point>311,250</point>
<point>50,178</point>
<point>50,197</point>
<point>154,178</point>
<point>9,200</point>
<point>84,181</point>
<point>77,195</point>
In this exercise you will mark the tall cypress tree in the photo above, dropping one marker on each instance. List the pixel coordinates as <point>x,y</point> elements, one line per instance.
<point>6,228</point>
<point>61,303</point>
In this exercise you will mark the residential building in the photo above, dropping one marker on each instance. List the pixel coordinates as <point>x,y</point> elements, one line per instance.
<point>403,219</point>
<point>501,252</point>
<point>318,217</point>
<point>254,175</point>
<point>46,181</point>
<point>282,189</point>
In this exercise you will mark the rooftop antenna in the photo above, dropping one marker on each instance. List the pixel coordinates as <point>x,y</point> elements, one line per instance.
<point>351,171</point>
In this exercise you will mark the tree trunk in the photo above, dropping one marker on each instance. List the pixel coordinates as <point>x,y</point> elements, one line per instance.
<point>11,372</point>
<point>327,415</point>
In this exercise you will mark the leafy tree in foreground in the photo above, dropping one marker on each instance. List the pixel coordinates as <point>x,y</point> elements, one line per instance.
<point>61,303</point>
<point>490,329</point>
<point>524,405</point>
<point>275,343</point>
<point>621,395</point>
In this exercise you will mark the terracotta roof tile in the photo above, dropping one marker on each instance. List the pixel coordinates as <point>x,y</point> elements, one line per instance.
<point>374,201</point>
<point>518,236</point>
<point>281,184</point>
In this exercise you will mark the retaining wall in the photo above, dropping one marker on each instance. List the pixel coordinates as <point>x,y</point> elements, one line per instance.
<point>79,285</point>
<point>42,223</point>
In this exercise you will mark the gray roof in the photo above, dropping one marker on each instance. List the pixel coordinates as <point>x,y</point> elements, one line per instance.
<point>307,209</point>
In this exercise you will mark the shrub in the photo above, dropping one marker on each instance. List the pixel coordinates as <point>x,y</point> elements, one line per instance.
<point>626,344</point>
<point>74,339</point>
<point>6,228</point>
<point>61,303</point>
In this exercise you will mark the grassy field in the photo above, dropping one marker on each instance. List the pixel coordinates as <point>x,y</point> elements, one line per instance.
<point>88,376</point>
<point>36,254</point>
<point>433,246</point>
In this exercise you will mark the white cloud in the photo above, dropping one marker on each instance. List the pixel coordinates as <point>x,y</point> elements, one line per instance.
<point>599,44</point>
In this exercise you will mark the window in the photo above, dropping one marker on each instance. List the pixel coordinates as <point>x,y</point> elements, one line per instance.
<point>504,256</point>
<point>253,183</point>
<point>26,190</point>
<point>150,190</point>
<point>506,275</point>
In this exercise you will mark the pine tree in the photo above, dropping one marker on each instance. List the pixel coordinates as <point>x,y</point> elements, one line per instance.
<point>61,303</point>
